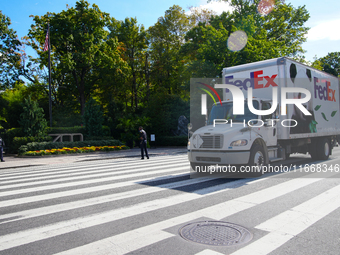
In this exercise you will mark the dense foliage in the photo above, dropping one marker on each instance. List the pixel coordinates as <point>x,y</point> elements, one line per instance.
<point>138,76</point>
<point>93,118</point>
<point>331,63</point>
<point>32,119</point>
<point>9,53</point>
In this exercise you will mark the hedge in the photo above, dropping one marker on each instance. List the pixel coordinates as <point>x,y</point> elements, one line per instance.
<point>65,130</point>
<point>11,133</point>
<point>20,141</point>
<point>15,137</point>
<point>59,145</point>
<point>171,141</point>
<point>77,129</point>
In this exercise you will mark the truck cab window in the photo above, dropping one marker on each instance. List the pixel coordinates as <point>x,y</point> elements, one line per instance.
<point>225,111</point>
<point>266,106</point>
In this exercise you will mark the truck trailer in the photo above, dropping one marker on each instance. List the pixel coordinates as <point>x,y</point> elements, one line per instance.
<point>270,110</point>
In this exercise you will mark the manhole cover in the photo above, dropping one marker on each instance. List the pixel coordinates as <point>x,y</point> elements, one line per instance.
<point>216,233</point>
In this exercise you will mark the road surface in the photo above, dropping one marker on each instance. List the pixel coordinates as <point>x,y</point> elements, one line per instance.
<point>130,206</point>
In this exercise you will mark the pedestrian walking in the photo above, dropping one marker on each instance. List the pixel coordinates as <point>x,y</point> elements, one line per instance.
<point>143,142</point>
<point>2,145</point>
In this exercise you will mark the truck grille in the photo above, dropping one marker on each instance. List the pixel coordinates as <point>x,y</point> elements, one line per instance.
<point>208,159</point>
<point>212,141</point>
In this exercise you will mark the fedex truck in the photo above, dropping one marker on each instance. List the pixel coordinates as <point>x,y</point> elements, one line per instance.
<point>270,110</point>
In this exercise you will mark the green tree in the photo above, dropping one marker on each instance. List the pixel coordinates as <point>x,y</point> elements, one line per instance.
<point>2,119</point>
<point>93,118</point>
<point>206,46</point>
<point>128,127</point>
<point>3,104</point>
<point>12,104</point>
<point>134,44</point>
<point>32,119</point>
<point>113,112</point>
<point>197,16</point>
<point>280,33</point>
<point>9,53</point>
<point>81,49</point>
<point>166,38</point>
<point>331,63</point>
<point>11,101</point>
<point>164,111</point>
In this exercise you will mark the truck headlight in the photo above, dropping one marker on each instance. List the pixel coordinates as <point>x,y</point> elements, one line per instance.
<point>241,142</point>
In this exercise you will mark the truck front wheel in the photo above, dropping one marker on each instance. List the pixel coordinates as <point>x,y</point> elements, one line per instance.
<point>257,160</point>
<point>322,149</point>
<point>198,166</point>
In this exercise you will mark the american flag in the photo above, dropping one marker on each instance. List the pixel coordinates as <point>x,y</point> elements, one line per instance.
<point>46,42</point>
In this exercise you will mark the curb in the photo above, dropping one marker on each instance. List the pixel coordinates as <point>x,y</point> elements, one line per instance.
<point>114,155</point>
<point>13,167</point>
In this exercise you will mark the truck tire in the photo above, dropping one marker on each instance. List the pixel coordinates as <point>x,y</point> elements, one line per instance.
<point>322,149</point>
<point>257,158</point>
<point>193,165</point>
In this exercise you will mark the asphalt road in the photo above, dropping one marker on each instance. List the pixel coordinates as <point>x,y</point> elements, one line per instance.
<point>130,206</point>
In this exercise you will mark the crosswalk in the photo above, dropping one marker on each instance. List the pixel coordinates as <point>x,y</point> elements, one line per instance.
<point>127,206</point>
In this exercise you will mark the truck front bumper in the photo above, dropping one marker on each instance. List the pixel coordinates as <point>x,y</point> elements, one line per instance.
<point>219,157</point>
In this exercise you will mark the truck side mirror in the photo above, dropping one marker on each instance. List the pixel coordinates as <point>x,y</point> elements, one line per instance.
<point>189,126</point>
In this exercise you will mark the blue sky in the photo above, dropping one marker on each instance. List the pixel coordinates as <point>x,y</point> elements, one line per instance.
<point>323,37</point>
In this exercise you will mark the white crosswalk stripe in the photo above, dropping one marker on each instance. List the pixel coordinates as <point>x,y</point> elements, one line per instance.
<point>290,223</point>
<point>92,203</point>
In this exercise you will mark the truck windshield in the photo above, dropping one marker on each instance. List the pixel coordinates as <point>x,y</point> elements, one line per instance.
<point>225,111</point>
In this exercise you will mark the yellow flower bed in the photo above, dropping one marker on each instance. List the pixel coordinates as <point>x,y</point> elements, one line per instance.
<point>75,150</point>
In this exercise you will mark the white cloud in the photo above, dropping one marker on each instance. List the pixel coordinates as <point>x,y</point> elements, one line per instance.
<point>325,30</point>
<point>216,6</point>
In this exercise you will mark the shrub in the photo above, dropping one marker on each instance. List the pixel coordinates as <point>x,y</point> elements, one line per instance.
<point>18,133</point>
<point>79,129</point>
<point>19,141</point>
<point>128,129</point>
<point>65,116</point>
<point>105,131</point>
<point>11,133</point>
<point>32,119</point>
<point>9,137</point>
<point>93,118</point>
<point>64,130</point>
<point>164,111</point>
<point>171,141</point>
<point>98,138</point>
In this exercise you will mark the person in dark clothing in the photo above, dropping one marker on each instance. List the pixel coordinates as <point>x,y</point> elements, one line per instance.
<point>143,142</point>
<point>2,144</point>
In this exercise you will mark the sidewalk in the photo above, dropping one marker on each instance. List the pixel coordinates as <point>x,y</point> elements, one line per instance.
<point>16,162</point>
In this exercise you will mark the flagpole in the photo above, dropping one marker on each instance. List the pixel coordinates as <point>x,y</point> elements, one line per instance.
<point>49,74</point>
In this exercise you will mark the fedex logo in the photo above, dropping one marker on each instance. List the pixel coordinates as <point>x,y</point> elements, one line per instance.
<point>256,81</point>
<point>323,92</point>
